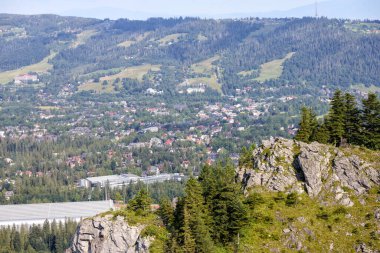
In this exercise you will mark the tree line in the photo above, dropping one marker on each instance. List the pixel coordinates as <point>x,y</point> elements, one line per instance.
<point>345,123</point>
<point>50,237</point>
<point>209,216</point>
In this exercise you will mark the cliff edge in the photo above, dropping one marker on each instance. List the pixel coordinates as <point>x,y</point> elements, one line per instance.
<point>324,172</point>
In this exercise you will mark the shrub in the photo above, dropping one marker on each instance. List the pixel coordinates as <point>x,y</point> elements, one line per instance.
<point>291,199</point>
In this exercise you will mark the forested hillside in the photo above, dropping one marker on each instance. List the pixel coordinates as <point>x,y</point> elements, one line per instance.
<point>325,52</point>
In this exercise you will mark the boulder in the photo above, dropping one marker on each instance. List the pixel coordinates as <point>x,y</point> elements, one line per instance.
<point>104,234</point>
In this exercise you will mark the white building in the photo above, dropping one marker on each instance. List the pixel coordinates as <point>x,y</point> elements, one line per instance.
<point>29,214</point>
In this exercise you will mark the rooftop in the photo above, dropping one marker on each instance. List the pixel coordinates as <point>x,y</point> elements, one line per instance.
<point>30,213</point>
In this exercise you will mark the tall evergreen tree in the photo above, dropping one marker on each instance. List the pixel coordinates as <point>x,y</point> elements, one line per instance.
<point>371,122</point>
<point>141,202</point>
<point>166,212</point>
<point>198,215</point>
<point>352,120</point>
<point>305,130</point>
<point>336,118</point>
<point>321,134</point>
<point>307,126</point>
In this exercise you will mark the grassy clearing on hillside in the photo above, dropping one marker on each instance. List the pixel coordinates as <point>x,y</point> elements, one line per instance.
<point>138,38</point>
<point>272,69</point>
<point>171,38</point>
<point>247,73</point>
<point>82,38</point>
<point>204,67</point>
<point>48,108</point>
<point>135,72</point>
<point>211,82</point>
<point>103,72</point>
<point>363,88</point>
<point>273,222</point>
<point>201,37</point>
<point>42,66</point>
<point>97,87</point>
<point>363,27</point>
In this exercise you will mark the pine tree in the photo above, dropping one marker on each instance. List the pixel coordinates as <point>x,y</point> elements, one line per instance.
<point>188,244</point>
<point>198,215</point>
<point>321,134</point>
<point>352,120</point>
<point>313,125</point>
<point>17,242</point>
<point>228,212</point>
<point>166,212</point>
<point>336,118</point>
<point>141,202</point>
<point>371,122</point>
<point>305,129</point>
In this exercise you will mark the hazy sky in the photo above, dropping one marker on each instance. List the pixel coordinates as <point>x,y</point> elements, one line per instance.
<point>173,7</point>
<point>142,9</point>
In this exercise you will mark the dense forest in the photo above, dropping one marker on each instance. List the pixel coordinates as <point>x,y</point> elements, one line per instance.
<point>49,237</point>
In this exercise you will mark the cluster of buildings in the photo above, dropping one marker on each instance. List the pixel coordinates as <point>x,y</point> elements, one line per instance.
<point>115,181</point>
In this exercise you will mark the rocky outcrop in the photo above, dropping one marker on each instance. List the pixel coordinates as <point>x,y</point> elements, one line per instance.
<point>319,170</point>
<point>105,234</point>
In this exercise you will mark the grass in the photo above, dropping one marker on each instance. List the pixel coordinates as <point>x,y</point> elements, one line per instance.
<point>40,67</point>
<point>272,69</point>
<point>361,87</point>
<point>48,108</point>
<point>205,67</point>
<point>247,73</point>
<point>82,38</point>
<point>103,72</point>
<point>211,82</point>
<point>138,38</point>
<point>201,37</point>
<point>135,72</point>
<point>365,154</point>
<point>325,225</point>
<point>97,87</point>
<point>362,27</point>
<point>171,38</point>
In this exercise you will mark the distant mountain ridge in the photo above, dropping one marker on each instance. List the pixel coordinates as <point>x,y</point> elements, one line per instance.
<point>347,9</point>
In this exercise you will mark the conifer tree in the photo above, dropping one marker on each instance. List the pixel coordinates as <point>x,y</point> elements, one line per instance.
<point>321,134</point>
<point>198,215</point>
<point>352,120</point>
<point>189,244</point>
<point>371,122</point>
<point>141,202</point>
<point>166,212</point>
<point>336,118</point>
<point>308,125</point>
<point>304,131</point>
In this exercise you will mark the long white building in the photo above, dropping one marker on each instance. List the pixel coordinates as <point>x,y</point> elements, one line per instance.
<point>28,214</point>
<point>115,181</point>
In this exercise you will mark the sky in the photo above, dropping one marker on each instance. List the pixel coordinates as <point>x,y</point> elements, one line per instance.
<point>142,9</point>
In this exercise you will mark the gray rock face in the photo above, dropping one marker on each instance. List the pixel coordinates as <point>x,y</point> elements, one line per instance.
<point>314,160</point>
<point>288,165</point>
<point>101,235</point>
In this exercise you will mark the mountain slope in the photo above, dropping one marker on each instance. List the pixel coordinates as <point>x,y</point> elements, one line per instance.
<point>311,198</point>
